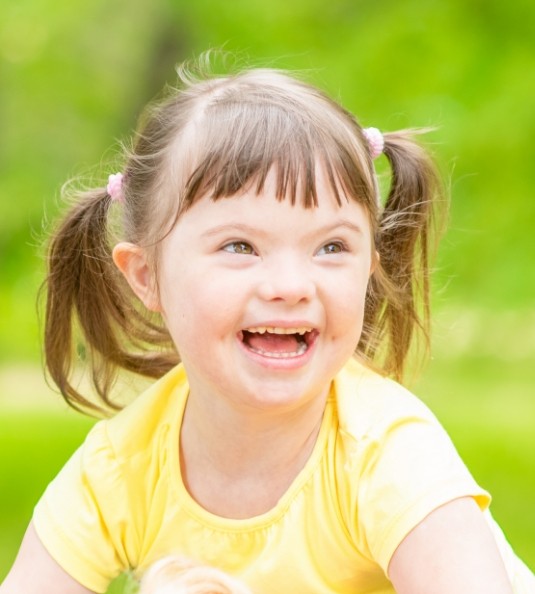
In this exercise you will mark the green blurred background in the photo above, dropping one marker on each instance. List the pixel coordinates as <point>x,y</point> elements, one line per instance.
<point>73,78</point>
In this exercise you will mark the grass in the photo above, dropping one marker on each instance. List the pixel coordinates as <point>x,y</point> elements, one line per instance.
<point>484,402</point>
<point>35,442</point>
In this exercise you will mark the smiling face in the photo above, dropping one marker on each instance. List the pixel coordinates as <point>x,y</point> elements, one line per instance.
<point>264,299</point>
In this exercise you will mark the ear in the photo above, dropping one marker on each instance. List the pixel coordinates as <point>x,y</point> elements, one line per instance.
<point>376,258</point>
<point>133,263</point>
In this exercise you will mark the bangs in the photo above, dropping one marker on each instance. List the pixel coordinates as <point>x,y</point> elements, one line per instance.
<point>240,137</point>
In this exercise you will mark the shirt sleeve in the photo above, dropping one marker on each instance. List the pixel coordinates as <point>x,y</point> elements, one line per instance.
<point>81,518</point>
<point>411,469</point>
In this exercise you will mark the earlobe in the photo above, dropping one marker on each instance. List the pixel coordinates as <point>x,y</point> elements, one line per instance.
<point>133,263</point>
<point>376,258</point>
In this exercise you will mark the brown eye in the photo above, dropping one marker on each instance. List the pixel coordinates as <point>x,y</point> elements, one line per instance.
<point>334,247</point>
<point>239,247</point>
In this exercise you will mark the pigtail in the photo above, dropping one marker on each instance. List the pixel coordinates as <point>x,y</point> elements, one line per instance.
<point>89,313</point>
<point>398,303</point>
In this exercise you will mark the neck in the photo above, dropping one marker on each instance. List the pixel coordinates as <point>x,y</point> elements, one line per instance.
<point>247,457</point>
<point>236,438</point>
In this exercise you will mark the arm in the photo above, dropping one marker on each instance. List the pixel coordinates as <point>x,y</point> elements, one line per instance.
<point>452,551</point>
<point>35,572</point>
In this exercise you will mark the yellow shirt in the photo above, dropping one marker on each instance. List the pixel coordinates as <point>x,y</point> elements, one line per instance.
<point>380,465</point>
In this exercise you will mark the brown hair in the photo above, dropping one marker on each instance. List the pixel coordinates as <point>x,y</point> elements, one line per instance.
<point>216,136</point>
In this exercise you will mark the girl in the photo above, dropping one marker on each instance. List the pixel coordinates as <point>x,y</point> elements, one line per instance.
<point>278,450</point>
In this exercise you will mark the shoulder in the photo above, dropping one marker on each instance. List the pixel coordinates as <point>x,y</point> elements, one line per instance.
<point>116,449</point>
<point>94,516</point>
<point>138,437</point>
<point>397,462</point>
<point>369,404</point>
<point>157,409</point>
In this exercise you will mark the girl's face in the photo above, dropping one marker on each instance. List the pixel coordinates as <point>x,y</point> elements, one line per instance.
<point>265,300</point>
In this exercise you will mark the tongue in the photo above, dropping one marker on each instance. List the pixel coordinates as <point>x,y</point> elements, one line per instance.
<point>272,343</point>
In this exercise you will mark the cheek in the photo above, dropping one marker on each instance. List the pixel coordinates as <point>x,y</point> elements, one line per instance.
<point>356,286</point>
<point>348,303</point>
<point>198,306</point>
<point>177,296</point>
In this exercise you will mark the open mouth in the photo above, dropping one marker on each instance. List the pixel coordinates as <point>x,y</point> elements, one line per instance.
<point>278,343</point>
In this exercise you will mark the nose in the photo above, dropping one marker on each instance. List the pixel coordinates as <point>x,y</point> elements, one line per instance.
<point>287,280</point>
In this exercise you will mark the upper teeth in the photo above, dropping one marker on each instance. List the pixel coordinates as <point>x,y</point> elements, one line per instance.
<point>272,330</point>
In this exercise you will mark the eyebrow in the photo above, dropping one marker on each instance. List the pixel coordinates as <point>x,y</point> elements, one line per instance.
<point>244,228</point>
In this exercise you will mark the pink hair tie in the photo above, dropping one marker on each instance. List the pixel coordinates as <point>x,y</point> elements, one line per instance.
<point>115,187</point>
<point>376,141</point>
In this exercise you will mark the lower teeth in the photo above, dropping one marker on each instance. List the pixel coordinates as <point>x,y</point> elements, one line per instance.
<point>282,355</point>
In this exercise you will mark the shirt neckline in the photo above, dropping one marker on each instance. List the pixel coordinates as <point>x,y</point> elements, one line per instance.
<point>209,519</point>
